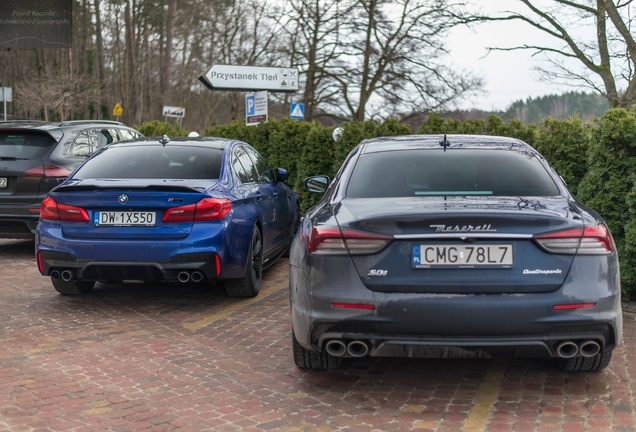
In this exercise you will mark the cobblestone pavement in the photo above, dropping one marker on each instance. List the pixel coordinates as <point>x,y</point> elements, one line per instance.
<point>188,358</point>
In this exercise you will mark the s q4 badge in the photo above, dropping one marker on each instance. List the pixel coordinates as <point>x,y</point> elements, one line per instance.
<point>377,272</point>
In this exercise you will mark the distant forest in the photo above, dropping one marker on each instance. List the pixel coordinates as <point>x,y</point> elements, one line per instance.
<point>533,110</point>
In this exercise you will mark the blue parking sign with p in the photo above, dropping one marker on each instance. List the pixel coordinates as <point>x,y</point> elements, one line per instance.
<point>250,106</point>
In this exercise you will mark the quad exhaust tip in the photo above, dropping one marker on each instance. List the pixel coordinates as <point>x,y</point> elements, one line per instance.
<point>567,349</point>
<point>589,348</point>
<point>67,275</point>
<point>196,276</point>
<point>336,348</point>
<point>183,276</point>
<point>357,349</point>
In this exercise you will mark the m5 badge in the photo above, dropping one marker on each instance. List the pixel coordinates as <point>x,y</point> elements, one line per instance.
<point>377,272</point>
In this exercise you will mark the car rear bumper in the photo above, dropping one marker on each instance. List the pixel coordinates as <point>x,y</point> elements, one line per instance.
<point>167,270</point>
<point>409,324</point>
<point>18,224</point>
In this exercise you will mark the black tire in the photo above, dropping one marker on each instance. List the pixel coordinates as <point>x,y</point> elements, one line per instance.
<point>294,228</point>
<point>586,364</point>
<point>250,284</point>
<point>306,359</point>
<point>72,287</point>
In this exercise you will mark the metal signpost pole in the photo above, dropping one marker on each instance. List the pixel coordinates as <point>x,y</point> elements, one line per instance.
<point>4,101</point>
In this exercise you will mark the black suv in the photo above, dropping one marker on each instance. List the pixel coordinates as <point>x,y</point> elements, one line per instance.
<point>36,156</point>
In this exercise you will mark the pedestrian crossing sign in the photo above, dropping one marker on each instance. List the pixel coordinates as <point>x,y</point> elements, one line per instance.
<point>297,111</point>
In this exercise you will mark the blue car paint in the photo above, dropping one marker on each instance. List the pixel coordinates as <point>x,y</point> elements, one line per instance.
<point>229,237</point>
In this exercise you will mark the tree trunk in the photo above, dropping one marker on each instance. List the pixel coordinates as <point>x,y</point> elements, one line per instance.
<point>131,67</point>
<point>99,41</point>
<point>167,61</point>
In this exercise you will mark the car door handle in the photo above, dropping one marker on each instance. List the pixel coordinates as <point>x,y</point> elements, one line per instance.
<point>275,194</point>
<point>259,196</point>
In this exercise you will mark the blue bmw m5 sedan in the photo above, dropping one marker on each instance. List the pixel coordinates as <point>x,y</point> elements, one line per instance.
<point>429,246</point>
<point>194,209</point>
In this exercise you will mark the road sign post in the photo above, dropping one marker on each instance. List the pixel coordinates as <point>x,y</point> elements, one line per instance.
<point>7,96</point>
<point>251,78</point>
<point>118,111</point>
<point>255,108</point>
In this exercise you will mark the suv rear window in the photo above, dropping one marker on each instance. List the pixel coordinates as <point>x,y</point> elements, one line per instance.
<point>24,145</point>
<point>405,173</point>
<point>153,162</point>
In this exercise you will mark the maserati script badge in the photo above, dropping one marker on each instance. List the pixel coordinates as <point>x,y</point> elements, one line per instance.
<point>464,228</point>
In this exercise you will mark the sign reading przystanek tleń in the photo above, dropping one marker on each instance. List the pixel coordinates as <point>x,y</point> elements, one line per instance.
<point>27,24</point>
<point>251,78</point>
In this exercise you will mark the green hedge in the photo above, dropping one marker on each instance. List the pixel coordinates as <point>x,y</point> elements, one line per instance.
<point>597,160</point>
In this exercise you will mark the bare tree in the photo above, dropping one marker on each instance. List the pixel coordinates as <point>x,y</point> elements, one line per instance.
<point>313,36</point>
<point>250,32</point>
<point>608,61</point>
<point>392,59</point>
<point>57,94</point>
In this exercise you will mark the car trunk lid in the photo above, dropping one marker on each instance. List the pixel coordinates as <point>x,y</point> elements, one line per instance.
<point>460,245</point>
<point>129,209</point>
<point>22,155</point>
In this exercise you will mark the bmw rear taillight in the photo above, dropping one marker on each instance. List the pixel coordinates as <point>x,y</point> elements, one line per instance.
<point>208,209</point>
<point>328,240</point>
<point>56,211</point>
<point>48,171</point>
<point>593,240</point>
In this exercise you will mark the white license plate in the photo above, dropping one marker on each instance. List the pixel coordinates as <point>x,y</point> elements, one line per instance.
<point>427,256</point>
<point>3,182</point>
<point>125,218</point>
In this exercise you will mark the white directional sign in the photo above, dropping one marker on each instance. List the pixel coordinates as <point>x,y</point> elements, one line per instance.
<point>255,108</point>
<point>172,111</point>
<point>251,78</point>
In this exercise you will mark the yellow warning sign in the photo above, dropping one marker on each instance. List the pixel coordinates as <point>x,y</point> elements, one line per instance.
<point>118,110</point>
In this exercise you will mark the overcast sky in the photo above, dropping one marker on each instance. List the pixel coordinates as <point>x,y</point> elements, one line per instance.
<point>508,76</point>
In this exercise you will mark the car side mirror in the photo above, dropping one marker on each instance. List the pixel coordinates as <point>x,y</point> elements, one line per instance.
<point>281,175</point>
<point>316,184</point>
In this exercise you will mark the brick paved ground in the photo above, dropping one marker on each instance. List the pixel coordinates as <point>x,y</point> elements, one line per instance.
<point>188,358</point>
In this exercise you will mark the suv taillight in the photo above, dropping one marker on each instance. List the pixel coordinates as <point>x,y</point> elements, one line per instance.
<point>50,209</point>
<point>594,240</point>
<point>48,171</point>
<point>208,209</point>
<point>329,240</point>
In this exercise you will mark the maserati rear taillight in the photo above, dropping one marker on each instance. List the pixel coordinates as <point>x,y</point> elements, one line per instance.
<point>55,211</point>
<point>592,240</point>
<point>208,209</point>
<point>329,240</point>
<point>48,171</point>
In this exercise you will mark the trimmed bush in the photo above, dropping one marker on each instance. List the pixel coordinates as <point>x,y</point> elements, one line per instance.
<point>159,128</point>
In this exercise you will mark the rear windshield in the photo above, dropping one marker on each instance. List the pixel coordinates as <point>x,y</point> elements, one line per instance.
<point>434,172</point>
<point>153,162</point>
<point>24,145</point>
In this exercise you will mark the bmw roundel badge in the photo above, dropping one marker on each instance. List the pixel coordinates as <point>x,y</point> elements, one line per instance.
<point>123,199</point>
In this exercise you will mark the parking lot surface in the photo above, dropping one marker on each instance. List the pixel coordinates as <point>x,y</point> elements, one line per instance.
<point>166,357</point>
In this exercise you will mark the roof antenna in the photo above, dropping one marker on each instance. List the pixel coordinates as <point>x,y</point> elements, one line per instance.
<point>164,140</point>
<point>444,143</point>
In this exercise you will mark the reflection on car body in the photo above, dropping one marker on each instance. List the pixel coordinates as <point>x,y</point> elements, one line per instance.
<point>476,247</point>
